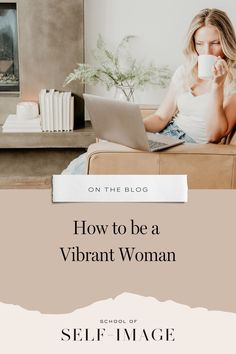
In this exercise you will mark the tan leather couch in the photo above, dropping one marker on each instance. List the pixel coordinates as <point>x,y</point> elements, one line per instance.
<point>208,166</point>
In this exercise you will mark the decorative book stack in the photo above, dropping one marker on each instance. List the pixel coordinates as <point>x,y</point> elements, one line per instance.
<point>57,110</point>
<point>26,119</point>
<point>15,125</point>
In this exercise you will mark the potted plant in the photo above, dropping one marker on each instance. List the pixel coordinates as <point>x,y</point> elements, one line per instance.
<point>118,68</point>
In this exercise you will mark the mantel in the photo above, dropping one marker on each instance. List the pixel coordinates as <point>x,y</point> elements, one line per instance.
<point>80,138</point>
<point>28,160</point>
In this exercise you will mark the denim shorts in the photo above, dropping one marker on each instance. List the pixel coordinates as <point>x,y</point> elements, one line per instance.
<point>172,129</point>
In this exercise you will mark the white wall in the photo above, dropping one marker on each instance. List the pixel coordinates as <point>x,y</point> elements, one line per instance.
<point>160,27</point>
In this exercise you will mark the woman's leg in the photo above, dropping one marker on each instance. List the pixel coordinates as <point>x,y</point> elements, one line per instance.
<point>76,166</point>
<point>173,130</point>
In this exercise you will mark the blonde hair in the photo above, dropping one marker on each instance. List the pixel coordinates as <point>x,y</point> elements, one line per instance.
<point>221,21</point>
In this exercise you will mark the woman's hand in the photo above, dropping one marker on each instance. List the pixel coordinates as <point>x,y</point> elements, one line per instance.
<point>220,71</point>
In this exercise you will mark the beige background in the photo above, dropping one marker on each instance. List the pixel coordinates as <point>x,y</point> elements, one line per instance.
<point>201,232</point>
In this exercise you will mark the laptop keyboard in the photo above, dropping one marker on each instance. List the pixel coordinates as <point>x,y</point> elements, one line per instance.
<point>153,145</point>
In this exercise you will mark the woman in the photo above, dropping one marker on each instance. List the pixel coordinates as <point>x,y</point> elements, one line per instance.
<point>205,111</point>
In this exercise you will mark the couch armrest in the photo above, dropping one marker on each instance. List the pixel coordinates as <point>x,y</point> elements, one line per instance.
<point>207,165</point>
<point>210,148</point>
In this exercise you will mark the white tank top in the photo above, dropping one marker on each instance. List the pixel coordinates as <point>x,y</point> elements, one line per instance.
<point>191,109</point>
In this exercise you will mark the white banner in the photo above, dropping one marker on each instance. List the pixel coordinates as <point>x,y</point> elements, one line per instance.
<point>128,323</point>
<point>120,188</point>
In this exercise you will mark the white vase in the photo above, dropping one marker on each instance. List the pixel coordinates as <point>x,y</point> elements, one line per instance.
<point>124,93</point>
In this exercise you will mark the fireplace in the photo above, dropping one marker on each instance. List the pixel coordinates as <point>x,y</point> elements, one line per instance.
<point>50,43</point>
<point>9,64</point>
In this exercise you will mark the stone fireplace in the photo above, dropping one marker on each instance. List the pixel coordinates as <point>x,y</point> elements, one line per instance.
<point>50,43</point>
<point>9,64</point>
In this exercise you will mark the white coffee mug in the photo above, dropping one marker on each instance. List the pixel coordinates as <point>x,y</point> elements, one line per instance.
<point>205,65</point>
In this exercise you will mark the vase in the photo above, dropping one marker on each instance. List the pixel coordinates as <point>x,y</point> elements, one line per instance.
<point>124,93</point>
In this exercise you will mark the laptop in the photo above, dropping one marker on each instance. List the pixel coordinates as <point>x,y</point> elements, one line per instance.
<point>122,123</point>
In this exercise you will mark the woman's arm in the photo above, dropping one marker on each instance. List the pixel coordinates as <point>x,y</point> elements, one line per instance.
<point>216,117</point>
<point>230,112</point>
<point>221,115</point>
<point>158,121</point>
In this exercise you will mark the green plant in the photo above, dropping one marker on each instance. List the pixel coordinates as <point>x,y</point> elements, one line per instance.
<point>119,68</point>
